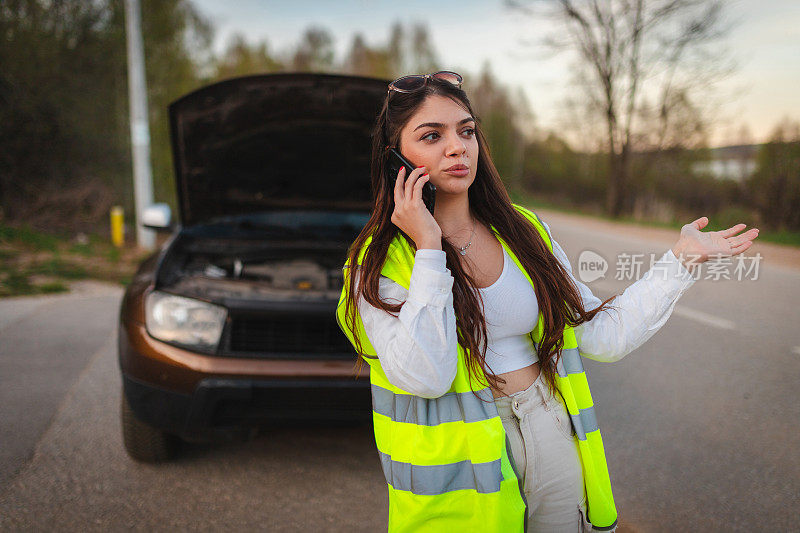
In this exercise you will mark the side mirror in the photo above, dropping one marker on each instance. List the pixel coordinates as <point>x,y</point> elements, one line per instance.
<point>157,217</point>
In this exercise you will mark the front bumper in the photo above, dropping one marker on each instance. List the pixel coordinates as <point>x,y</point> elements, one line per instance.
<point>201,397</point>
<point>223,407</point>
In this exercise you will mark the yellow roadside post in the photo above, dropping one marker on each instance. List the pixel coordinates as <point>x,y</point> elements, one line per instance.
<point>117,226</point>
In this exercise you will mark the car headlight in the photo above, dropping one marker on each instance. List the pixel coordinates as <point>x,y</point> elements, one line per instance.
<point>184,320</point>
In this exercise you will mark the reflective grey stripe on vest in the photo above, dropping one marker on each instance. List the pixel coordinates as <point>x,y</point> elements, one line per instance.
<point>584,422</point>
<point>451,407</point>
<point>569,362</point>
<point>438,479</point>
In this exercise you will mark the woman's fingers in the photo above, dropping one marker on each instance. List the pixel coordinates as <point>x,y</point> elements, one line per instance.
<point>398,186</point>
<point>745,237</point>
<point>412,181</point>
<point>741,248</point>
<point>405,187</point>
<point>417,191</point>
<point>733,230</point>
<point>700,223</point>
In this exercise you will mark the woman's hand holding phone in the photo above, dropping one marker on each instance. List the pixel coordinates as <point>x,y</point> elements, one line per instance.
<point>410,213</point>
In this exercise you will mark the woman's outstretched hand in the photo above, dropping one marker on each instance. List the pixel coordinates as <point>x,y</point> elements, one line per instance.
<point>695,246</point>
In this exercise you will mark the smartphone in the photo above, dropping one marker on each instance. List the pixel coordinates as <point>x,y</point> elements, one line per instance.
<point>397,160</point>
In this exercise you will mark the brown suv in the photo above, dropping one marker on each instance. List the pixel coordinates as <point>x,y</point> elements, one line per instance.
<point>231,324</point>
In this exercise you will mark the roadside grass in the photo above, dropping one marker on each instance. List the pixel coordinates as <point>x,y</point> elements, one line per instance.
<point>33,262</point>
<point>789,238</point>
<point>28,237</point>
<point>723,220</point>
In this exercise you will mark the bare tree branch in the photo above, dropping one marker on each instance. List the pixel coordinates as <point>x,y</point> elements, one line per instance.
<point>640,61</point>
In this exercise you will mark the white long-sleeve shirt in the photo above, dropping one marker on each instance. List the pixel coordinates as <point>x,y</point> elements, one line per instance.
<point>418,348</point>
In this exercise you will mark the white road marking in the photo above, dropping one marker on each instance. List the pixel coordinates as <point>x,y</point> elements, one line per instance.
<point>706,318</point>
<point>796,350</point>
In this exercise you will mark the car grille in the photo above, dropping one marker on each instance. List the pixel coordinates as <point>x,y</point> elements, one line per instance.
<point>308,336</point>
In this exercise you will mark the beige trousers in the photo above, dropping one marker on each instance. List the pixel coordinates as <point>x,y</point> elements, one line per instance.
<point>546,459</point>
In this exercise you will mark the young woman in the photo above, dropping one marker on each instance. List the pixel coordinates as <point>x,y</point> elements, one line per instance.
<point>473,326</point>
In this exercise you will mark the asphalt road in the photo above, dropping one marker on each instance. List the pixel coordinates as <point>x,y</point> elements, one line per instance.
<point>700,424</point>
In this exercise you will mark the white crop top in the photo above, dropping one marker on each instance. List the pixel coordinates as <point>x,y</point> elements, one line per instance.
<point>511,311</point>
<point>418,347</point>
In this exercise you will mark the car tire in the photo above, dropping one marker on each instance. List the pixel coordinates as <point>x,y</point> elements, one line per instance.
<point>143,442</point>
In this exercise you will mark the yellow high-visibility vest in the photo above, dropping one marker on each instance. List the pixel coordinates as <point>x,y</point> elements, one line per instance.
<point>445,459</point>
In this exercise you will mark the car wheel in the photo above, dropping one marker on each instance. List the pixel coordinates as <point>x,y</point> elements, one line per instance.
<point>143,442</point>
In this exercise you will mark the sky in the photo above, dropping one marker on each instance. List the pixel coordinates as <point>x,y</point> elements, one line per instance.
<point>466,34</point>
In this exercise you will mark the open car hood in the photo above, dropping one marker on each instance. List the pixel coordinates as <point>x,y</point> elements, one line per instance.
<point>274,141</point>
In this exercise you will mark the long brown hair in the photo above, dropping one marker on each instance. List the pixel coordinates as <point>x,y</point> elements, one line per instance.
<point>558,297</point>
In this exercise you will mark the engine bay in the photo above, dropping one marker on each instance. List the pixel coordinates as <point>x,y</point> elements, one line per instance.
<point>247,272</point>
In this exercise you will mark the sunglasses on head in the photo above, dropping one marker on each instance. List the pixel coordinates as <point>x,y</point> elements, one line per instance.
<point>415,82</point>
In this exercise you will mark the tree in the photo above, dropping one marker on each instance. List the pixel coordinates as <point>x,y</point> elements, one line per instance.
<point>363,60</point>
<point>775,186</point>
<point>64,124</point>
<point>407,52</point>
<point>358,61</point>
<point>502,119</point>
<point>176,39</point>
<point>241,59</point>
<point>641,67</point>
<point>395,54</point>
<point>315,51</point>
<point>423,53</point>
<point>59,110</point>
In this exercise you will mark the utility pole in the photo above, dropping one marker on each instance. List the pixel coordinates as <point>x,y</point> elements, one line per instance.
<point>140,125</point>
